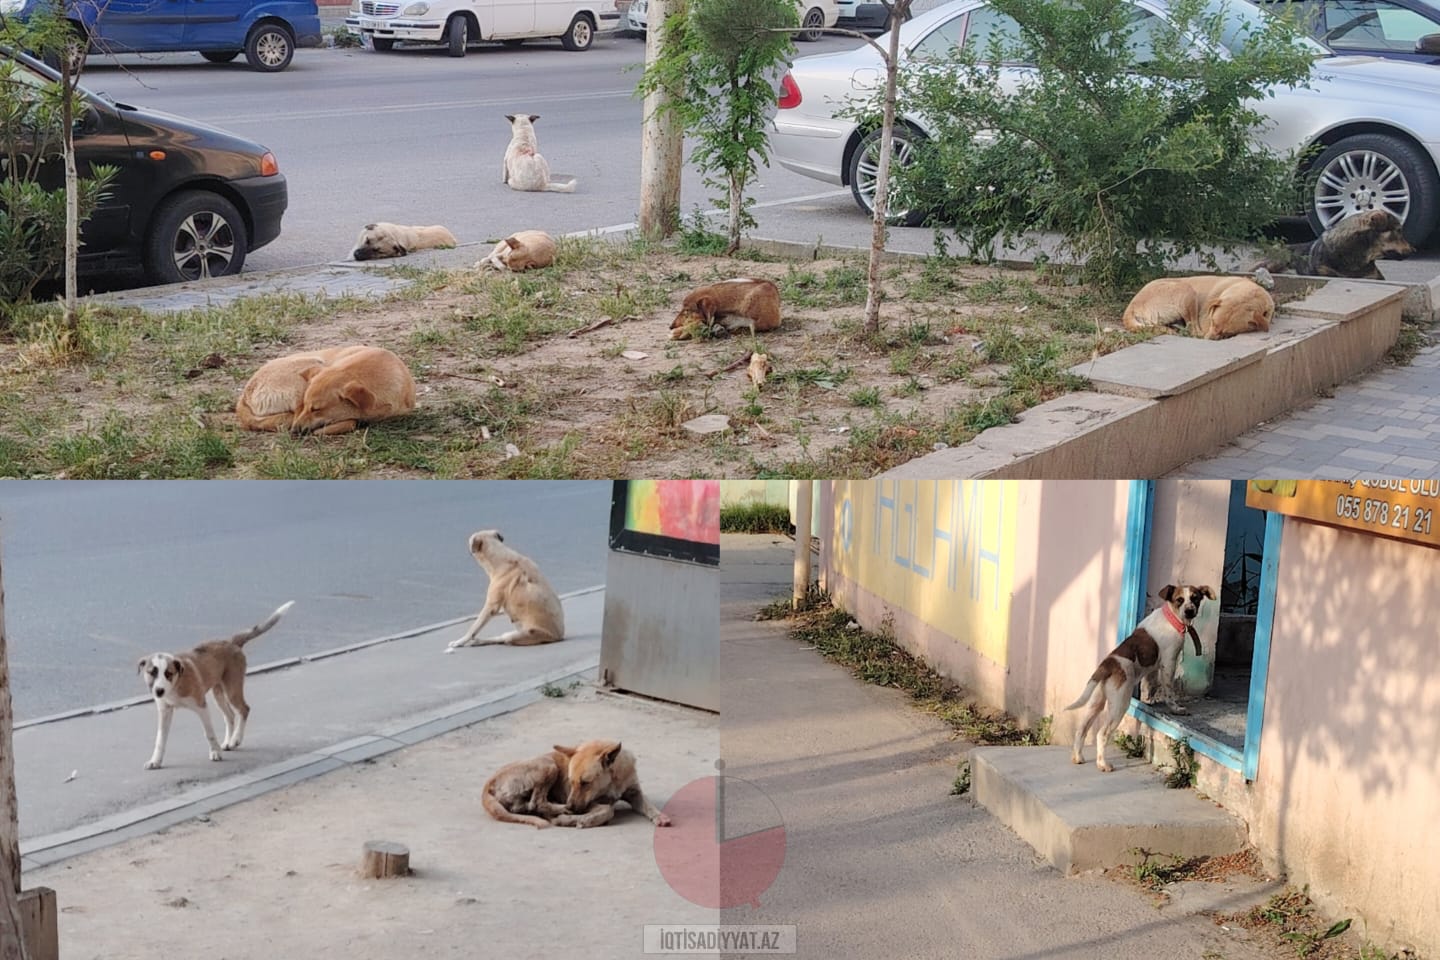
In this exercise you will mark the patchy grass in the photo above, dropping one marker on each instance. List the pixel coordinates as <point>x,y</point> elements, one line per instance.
<point>1288,920</point>
<point>755,518</point>
<point>506,392</point>
<point>1412,339</point>
<point>876,658</point>
<point>1184,767</point>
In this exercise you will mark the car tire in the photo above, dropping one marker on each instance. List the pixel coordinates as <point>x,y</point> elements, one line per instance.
<point>194,235</point>
<point>269,48</point>
<point>580,34</point>
<point>79,49</point>
<point>382,44</point>
<point>812,27</point>
<point>457,35</point>
<point>864,166</point>
<point>1357,173</point>
<point>219,56</point>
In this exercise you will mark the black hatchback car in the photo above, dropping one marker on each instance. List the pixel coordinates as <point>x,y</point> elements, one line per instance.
<point>189,201</point>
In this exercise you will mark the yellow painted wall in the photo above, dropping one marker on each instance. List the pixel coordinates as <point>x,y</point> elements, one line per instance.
<point>941,550</point>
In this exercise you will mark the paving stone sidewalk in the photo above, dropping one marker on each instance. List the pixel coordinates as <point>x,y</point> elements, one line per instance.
<point>1385,423</point>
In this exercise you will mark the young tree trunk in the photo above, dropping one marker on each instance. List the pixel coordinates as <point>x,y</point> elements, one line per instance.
<point>12,947</point>
<point>737,198</point>
<point>662,145</point>
<point>68,78</point>
<point>898,9</point>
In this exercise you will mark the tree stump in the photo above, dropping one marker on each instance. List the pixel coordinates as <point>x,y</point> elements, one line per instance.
<point>385,859</point>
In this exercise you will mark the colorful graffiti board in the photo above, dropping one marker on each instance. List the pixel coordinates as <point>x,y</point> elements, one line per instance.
<point>670,519</point>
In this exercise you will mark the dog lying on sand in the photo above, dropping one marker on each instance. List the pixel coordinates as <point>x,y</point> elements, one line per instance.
<point>1209,307</point>
<point>569,787</point>
<point>525,250</point>
<point>378,241</point>
<point>741,302</point>
<point>327,391</point>
<point>1348,249</point>
<point>525,168</point>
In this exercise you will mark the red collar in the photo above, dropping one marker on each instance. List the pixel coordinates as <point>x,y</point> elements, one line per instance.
<point>1174,620</point>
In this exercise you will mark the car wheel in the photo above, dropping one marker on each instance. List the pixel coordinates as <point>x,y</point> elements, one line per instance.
<point>1373,171</point>
<point>382,44</point>
<point>76,50</point>
<point>457,35</point>
<point>219,56</point>
<point>195,235</point>
<point>580,34</point>
<point>812,28</point>
<point>269,48</point>
<point>865,169</point>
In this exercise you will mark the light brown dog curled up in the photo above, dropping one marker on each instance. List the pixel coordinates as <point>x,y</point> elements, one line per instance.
<point>1210,307</point>
<point>358,387</point>
<point>742,302</point>
<point>276,390</point>
<point>184,680</point>
<point>569,787</point>
<point>380,240</point>
<point>525,250</point>
<point>517,589</point>
<point>525,168</point>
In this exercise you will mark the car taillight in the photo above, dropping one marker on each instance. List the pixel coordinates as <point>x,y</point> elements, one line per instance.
<point>269,166</point>
<point>789,93</point>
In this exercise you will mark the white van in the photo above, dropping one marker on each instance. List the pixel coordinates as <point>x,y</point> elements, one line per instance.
<point>463,23</point>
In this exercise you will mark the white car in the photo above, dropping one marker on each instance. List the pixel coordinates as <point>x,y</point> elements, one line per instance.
<point>460,24</point>
<point>816,15</point>
<point>1376,123</point>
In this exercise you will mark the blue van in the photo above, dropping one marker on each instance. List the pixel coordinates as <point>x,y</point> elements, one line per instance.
<point>266,31</point>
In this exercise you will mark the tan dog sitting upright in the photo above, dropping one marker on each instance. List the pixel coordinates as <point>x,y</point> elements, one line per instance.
<point>276,390</point>
<point>569,787</point>
<point>525,250</point>
<point>183,680</point>
<point>380,240</point>
<point>358,387</point>
<point>525,168</point>
<point>519,590</point>
<point>733,304</point>
<point>1151,654</point>
<point>1209,307</point>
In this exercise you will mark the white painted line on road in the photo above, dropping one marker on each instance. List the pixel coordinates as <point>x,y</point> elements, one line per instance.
<point>370,110</point>
<point>114,705</point>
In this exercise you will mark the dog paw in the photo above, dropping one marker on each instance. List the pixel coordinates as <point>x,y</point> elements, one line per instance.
<point>1076,758</point>
<point>1178,710</point>
<point>215,755</point>
<point>663,821</point>
<point>152,764</point>
<point>1105,767</point>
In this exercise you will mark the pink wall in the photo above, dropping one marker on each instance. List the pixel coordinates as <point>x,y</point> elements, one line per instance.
<point>1348,791</point>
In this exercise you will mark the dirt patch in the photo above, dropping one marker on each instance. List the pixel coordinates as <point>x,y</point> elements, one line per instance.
<point>506,392</point>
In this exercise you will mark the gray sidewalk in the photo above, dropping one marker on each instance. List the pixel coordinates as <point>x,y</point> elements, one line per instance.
<point>881,861</point>
<point>307,718</point>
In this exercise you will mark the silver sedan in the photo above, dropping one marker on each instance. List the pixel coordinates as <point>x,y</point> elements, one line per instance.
<point>1373,124</point>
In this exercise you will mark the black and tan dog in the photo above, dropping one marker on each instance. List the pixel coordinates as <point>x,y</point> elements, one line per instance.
<point>1348,249</point>
<point>1150,653</point>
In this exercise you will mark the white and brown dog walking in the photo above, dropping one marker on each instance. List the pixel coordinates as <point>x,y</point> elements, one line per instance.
<point>517,589</point>
<point>1152,651</point>
<point>183,680</point>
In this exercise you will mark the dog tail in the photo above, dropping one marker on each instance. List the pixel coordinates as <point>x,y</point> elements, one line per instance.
<point>1089,689</point>
<point>567,187</point>
<point>240,639</point>
<point>497,810</point>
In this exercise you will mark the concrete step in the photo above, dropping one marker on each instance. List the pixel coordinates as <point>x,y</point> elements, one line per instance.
<point>1081,819</point>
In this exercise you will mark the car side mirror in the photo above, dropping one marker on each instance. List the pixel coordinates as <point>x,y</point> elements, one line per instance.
<point>1429,44</point>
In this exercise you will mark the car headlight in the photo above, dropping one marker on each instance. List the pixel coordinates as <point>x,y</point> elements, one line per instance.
<point>415,10</point>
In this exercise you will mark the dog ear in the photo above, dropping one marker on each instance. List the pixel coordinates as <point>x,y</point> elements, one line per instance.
<point>1167,591</point>
<point>534,117</point>
<point>140,666</point>
<point>499,537</point>
<point>611,756</point>
<point>1207,593</point>
<point>309,372</point>
<point>705,307</point>
<point>179,667</point>
<point>510,117</point>
<point>369,226</point>
<point>568,751</point>
<point>358,394</point>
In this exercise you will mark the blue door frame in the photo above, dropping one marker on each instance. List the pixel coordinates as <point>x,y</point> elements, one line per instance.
<point>1138,523</point>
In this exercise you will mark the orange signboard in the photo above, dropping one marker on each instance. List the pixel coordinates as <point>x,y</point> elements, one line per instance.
<point>1401,509</point>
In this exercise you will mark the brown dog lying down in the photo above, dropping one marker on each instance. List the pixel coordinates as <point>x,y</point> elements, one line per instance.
<point>742,302</point>
<point>380,240</point>
<point>524,250</point>
<point>569,787</point>
<point>326,391</point>
<point>1209,307</point>
<point>1348,249</point>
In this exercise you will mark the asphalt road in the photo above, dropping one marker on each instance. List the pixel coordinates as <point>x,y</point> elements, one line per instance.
<point>417,137</point>
<point>97,574</point>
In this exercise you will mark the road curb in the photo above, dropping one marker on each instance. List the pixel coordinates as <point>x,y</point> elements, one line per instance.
<point>158,815</point>
<point>272,665</point>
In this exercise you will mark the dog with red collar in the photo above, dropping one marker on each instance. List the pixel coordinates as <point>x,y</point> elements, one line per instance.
<point>1151,654</point>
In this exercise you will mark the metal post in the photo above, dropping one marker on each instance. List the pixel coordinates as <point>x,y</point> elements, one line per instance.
<point>803,509</point>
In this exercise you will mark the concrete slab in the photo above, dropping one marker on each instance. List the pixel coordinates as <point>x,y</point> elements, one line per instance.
<point>1236,895</point>
<point>1345,299</point>
<point>1080,819</point>
<point>1168,366</point>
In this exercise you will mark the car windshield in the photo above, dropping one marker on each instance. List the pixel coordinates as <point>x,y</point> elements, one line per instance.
<point>1238,20</point>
